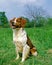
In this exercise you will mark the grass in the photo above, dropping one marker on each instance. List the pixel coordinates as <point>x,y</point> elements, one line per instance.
<point>40,37</point>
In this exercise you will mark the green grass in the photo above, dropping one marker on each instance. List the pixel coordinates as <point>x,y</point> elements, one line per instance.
<point>40,37</point>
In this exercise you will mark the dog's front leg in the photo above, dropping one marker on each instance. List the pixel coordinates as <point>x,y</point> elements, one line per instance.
<point>17,52</point>
<point>25,53</point>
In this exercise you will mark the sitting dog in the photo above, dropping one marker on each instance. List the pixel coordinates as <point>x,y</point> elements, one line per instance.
<point>20,38</point>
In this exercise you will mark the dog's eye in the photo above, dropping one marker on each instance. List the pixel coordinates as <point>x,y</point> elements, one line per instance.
<point>18,21</point>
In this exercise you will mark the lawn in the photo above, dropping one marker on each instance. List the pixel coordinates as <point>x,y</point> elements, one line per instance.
<point>40,37</point>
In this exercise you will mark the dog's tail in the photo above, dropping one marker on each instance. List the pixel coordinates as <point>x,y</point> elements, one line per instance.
<point>33,51</point>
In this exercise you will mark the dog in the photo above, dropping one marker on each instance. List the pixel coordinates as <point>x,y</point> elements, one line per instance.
<point>21,40</point>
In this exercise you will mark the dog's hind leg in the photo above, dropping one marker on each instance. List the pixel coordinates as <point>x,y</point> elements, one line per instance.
<point>25,52</point>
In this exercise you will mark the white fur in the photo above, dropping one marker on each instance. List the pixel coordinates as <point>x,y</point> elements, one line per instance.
<point>20,36</point>
<point>20,39</point>
<point>35,53</point>
<point>15,21</point>
<point>26,50</point>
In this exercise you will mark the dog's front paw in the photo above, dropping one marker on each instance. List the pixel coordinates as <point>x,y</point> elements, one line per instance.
<point>23,60</point>
<point>17,57</point>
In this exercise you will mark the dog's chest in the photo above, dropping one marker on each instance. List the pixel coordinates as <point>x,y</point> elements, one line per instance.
<point>20,36</point>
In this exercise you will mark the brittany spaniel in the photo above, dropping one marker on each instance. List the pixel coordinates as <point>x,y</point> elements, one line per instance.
<point>21,40</point>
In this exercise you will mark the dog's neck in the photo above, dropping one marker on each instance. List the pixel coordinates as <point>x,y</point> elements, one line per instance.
<point>17,30</point>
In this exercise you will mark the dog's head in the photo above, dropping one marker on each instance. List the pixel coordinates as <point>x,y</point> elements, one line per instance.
<point>17,22</point>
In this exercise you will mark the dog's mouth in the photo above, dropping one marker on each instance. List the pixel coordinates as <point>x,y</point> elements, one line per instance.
<point>15,26</point>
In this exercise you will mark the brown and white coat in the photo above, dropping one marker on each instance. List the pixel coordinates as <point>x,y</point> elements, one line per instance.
<point>21,40</point>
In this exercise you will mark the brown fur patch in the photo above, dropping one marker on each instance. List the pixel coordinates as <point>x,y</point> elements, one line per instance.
<point>29,43</point>
<point>21,21</point>
<point>11,21</point>
<point>33,50</point>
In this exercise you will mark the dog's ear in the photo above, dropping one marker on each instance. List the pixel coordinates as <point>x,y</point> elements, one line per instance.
<point>23,22</point>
